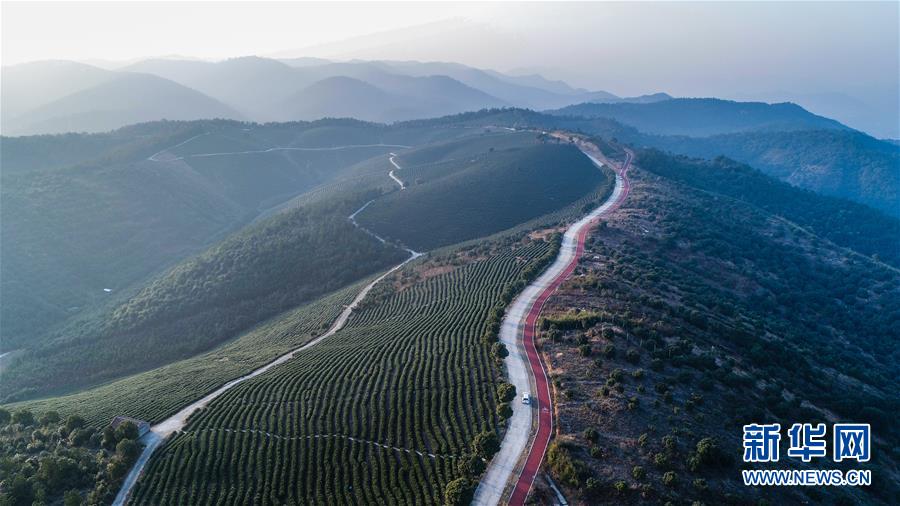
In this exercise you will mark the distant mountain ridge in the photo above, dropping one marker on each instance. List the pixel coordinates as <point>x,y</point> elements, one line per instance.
<point>61,96</point>
<point>704,116</point>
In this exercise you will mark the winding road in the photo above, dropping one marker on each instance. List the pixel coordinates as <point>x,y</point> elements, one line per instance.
<point>513,469</point>
<point>396,167</point>
<point>159,432</point>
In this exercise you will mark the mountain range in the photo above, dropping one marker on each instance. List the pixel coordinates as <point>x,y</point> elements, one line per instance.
<point>65,96</point>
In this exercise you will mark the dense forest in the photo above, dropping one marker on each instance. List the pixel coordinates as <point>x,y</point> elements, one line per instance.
<point>692,314</point>
<point>839,163</point>
<point>854,226</point>
<point>268,268</point>
<point>45,459</point>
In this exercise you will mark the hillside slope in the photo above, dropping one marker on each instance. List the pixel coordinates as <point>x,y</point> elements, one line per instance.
<point>835,161</point>
<point>692,314</point>
<point>704,116</point>
<point>275,265</point>
<point>482,195</point>
<point>124,99</point>
<point>84,213</point>
<point>839,163</point>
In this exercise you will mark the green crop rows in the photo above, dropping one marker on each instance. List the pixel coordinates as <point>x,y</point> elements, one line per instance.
<point>410,371</point>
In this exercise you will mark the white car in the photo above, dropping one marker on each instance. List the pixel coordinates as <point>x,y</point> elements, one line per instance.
<point>526,398</point>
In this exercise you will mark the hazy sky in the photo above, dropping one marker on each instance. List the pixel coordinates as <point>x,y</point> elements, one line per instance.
<point>846,50</point>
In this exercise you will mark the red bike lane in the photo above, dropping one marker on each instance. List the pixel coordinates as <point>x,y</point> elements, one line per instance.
<point>542,384</point>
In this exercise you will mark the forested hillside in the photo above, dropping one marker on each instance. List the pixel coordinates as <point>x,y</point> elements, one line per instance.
<point>268,268</point>
<point>846,224</point>
<point>83,214</point>
<point>693,313</point>
<point>839,163</point>
<point>832,161</point>
<point>481,195</point>
<point>699,117</point>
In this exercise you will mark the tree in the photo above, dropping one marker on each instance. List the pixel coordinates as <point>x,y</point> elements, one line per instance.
<point>126,430</point>
<point>504,411</point>
<point>116,469</point>
<point>74,422</point>
<point>506,392</point>
<point>458,492</point>
<point>23,417</point>
<point>72,498</point>
<point>4,416</point>
<point>499,351</point>
<point>669,479</point>
<point>128,449</point>
<point>471,466</point>
<point>49,418</point>
<point>486,444</point>
<point>109,438</point>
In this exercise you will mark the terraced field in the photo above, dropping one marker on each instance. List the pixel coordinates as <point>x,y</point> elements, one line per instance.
<point>409,372</point>
<point>481,196</point>
<point>159,393</point>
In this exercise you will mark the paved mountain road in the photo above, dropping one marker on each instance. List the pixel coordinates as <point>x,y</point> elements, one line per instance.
<point>525,367</point>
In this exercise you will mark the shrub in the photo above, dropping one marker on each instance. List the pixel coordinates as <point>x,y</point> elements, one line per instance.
<point>471,466</point>
<point>126,430</point>
<point>591,435</point>
<point>620,486</point>
<point>592,486</point>
<point>661,460</point>
<point>633,356</point>
<point>584,350</point>
<point>506,392</point>
<point>458,492</point>
<point>561,465</point>
<point>49,418</point>
<point>708,454</point>
<point>638,472</point>
<point>23,417</point>
<point>485,444</point>
<point>670,479</point>
<point>499,351</point>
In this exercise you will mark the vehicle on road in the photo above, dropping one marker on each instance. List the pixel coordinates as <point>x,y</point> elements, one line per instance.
<point>526,398</point>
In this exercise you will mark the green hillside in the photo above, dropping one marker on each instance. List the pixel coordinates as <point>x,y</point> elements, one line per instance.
<point>839,163</point>
<point>484,195</point>
<point>85,213</point>
<point>845,223</point>
<point>810,154</point>
<point>410,371</point>
<point>704,116</point>
<point>268,268</point>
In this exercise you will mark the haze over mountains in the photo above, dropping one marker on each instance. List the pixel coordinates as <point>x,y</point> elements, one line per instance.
<point>64,96</point>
